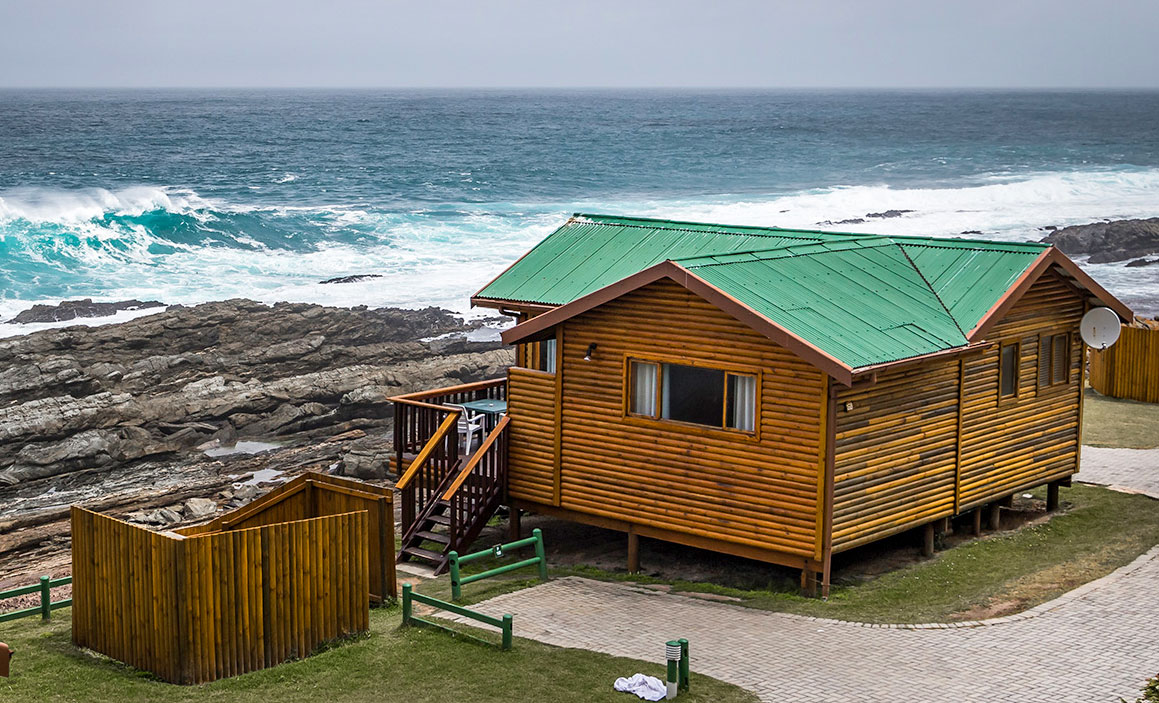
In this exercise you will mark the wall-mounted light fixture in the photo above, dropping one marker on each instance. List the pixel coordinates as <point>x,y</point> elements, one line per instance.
<point>591,350</point>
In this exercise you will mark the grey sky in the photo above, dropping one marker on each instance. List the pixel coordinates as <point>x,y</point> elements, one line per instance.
<point>829,43</point>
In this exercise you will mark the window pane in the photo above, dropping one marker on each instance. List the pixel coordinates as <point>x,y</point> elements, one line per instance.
<point>692,394</point>
<point>741,411</point>
<point>1060,359</point>
<point>547,356</point>
<point>643,400</point>
<point>1008,370</point>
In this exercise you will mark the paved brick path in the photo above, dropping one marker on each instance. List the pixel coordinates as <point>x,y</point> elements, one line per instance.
<point>1137,469</point>
<point>1093,644</point>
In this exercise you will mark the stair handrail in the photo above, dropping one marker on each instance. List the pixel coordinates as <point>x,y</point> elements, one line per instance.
<point>450,421</point>
<point>477,457</point>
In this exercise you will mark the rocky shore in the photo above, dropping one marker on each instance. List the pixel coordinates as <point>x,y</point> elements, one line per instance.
<point>141,419</point>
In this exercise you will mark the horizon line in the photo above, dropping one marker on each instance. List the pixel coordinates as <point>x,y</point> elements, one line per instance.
<point>842,88</point>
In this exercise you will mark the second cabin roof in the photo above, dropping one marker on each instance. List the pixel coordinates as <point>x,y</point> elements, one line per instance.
<point>861,299</point>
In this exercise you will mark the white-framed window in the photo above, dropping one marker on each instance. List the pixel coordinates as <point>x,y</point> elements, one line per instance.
<point>696,395</point>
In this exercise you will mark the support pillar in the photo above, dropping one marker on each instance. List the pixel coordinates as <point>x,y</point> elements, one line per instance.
<point>633,552</point>
<point>928,540</point>
<point>947,526</point>
<point>1052,496</point>
<point>977,522</point>
<point>995,517</point>
<point>808,582</point>
<point>513,525</point>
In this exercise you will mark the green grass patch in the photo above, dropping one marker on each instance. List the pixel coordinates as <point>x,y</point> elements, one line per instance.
<point>411,665</point>
<point>1113,422</point>
<point>1096,531</point>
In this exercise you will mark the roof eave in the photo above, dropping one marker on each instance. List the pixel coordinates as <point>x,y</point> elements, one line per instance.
<point>1049,257</point>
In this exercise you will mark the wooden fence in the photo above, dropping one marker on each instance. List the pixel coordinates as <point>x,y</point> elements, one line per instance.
<point>318,495</point>
<point>196,608</point>
<point>1130,367</point>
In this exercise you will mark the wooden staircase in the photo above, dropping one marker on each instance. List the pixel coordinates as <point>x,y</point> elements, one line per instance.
<point>447,501</point>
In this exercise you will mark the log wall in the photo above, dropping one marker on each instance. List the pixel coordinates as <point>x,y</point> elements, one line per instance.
<point>531,449</point>
<point>758,491</point>
<point>1015,443</point>
<point>896,453</point>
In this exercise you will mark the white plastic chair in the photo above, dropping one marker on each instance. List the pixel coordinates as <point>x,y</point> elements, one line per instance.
<point>470,424</point>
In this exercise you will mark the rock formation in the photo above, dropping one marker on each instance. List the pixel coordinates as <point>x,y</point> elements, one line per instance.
<point>1106,242</point>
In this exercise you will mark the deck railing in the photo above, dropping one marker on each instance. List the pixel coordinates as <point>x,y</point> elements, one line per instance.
<point>418,415</point>
<point>425,431</point>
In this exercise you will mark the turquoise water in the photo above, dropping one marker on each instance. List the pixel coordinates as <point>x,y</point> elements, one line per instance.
<point>186,196</point>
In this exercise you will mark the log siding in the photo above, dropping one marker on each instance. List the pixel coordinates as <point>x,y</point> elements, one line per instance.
<point>753,490</point>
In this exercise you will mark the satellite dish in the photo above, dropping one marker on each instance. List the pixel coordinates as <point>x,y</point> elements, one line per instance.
<point>1100,328</point>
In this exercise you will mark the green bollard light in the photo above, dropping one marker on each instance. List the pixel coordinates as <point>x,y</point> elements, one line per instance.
<point>672,653</point>
<point>684,664</point>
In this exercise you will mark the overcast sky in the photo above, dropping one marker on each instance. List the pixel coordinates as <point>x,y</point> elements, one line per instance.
<point>613,43</point>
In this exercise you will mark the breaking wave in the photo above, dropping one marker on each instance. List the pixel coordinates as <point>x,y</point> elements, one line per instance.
<point>174,245</point>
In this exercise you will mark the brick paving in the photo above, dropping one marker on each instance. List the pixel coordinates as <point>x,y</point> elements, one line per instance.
<point>1135,469</point>
<point>1095,643</point>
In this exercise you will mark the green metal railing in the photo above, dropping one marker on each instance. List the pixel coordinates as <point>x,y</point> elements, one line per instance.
<point>46,603</point>
<point>409,618</point>
<point>499,550</point>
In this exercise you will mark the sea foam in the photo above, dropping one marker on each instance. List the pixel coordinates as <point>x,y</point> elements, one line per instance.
<point>173,245</point>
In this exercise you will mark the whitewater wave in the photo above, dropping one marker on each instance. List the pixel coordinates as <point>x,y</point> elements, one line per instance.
<point>173,245</point>
<point>47,205</point>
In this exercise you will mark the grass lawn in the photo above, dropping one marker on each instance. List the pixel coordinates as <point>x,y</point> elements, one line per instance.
<point>409,665</point>
<point>1096,531</point>
<point>1111,422</point>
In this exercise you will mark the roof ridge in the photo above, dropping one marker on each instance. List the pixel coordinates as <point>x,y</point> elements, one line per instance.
<point>785,251</point>
<point>937,297</point>
<point>772,231</point>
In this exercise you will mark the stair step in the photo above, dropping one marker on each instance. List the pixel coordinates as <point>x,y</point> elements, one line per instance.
<point>440,519</point>
<point>434,536</point>
<point>421,553</point>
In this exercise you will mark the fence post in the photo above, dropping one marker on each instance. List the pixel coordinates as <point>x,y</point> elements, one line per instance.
<point>45,599</point>
<point>539,552</point>
<point>406,605</point>
<point>456,587</point>
<point>506,632</point>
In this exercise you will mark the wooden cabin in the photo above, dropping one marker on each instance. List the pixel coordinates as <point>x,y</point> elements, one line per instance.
<point>781,395</point>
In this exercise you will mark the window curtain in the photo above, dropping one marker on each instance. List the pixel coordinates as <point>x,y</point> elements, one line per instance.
<point>644,388</point>
<point>547,351</point>
<point>744,402</point>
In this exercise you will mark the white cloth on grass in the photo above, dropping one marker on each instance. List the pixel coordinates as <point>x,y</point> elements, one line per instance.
<point>649,688</point>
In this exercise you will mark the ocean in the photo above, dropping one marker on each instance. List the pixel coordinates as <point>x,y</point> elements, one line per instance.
<point>187,196</point>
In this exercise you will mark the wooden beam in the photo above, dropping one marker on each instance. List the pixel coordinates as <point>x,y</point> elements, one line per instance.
<point>928,539</point>
<point>1052,496</point>
<point>830,469</point>
<point>808,583</point>
<point>513,524</point>
<point>633,552</point>
<point>995,516</point>
<point>977,522</point>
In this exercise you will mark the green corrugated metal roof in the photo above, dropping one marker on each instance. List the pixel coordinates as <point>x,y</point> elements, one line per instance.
<point>592,251</point>
<point>861,302</point>
<point>864,299</point>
